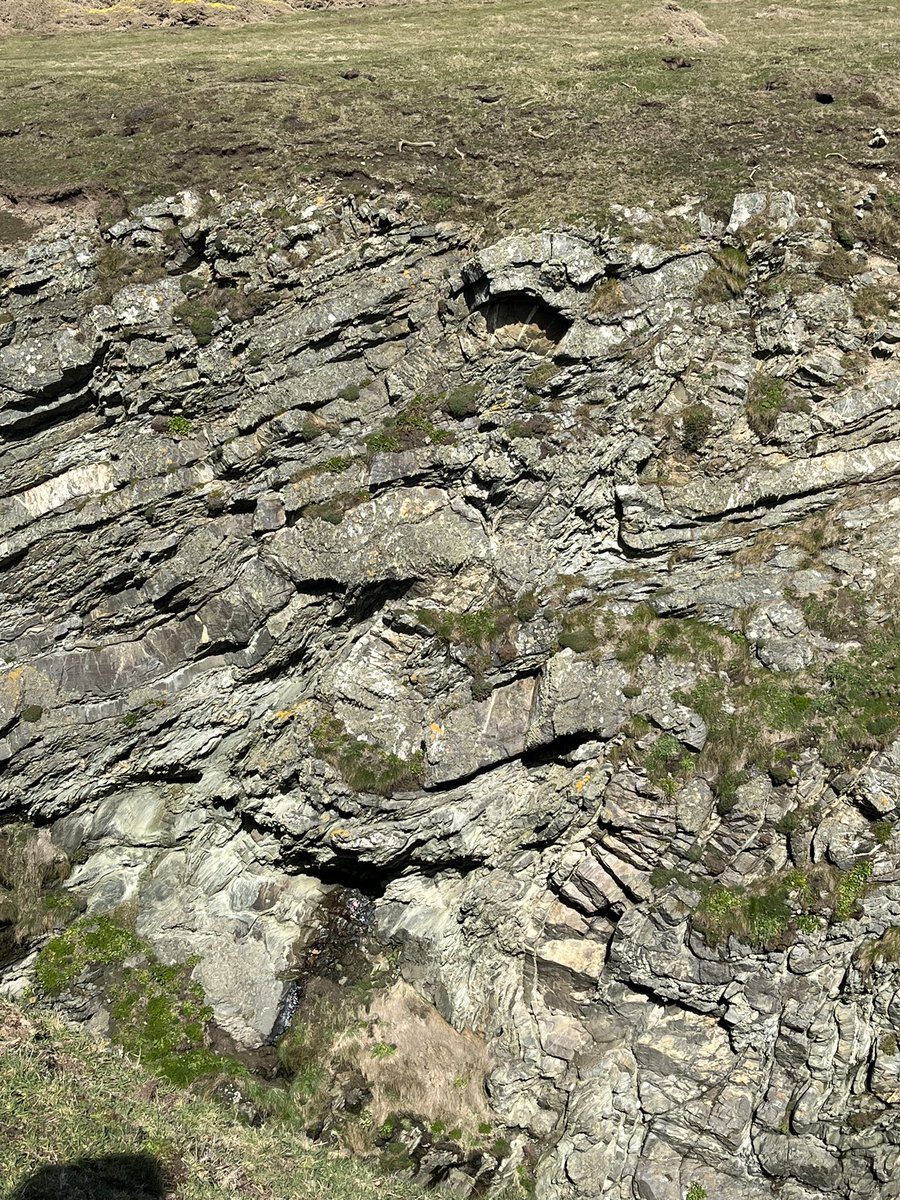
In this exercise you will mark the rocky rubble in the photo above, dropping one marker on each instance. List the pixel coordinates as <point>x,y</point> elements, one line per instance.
<point>543,591</point>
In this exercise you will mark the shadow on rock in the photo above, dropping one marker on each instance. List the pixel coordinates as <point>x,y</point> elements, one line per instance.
<point>113,1177</point>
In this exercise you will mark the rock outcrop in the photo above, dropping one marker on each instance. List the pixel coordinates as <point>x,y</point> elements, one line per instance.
<point>545,592</point>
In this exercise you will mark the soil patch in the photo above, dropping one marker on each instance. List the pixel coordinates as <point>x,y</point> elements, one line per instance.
<point>681,27</point>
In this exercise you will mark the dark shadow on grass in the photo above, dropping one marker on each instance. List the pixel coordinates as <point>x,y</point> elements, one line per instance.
<point>113,1177</point>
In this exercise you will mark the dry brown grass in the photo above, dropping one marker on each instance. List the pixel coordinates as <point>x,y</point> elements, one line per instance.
<point>408,1050</point>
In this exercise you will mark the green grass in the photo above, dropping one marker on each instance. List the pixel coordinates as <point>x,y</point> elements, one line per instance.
<point>767,399</point>
<point>847,707</point>
<point>763,913</point>
<point>32,902</point>
<point>158,1013</point>
<point>366,768</point>
<point>410,429</point>
<point>65,1098</point>
<point>585,111</point>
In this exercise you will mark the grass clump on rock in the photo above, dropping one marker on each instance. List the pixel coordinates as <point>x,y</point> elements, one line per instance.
<point>32,902</point>
<point>727,280</point>
<point>366,768</point>
<point>199,318</point>
<point>464,401</point>
<point>696,423</point>
<point>410,429</point>
<point>763,913</point>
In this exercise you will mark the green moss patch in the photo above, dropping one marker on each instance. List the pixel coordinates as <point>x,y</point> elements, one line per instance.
<point>158,1013</point>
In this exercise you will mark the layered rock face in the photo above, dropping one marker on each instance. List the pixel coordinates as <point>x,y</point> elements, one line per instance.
<point>543,591</point>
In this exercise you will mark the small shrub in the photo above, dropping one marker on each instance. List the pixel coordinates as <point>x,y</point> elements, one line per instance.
<point>478,628</point>
<point>838,267</point>
<point>851,888</point>
<point>766,400</point>
<point>696,423</point>
<point>464,401</point>
<point>607,298</point>
<point>179,427</point>
<point>696,1192</point>
<point>728,278</point>
<point>871,303</point>
<point>540,377</point>
<point>410,429</point>
<point>882,831</point>
<point>336,464</point>
<point>841,615</point>
<point>116,267</point>
<point>199,318</point>
<point>886,948</point>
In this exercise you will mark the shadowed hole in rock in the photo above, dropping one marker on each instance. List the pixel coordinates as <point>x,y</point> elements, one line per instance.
<point>515,319</point>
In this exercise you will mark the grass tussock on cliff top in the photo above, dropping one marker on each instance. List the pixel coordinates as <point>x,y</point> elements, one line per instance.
<point>520,110</point>
<point>65,1099</point>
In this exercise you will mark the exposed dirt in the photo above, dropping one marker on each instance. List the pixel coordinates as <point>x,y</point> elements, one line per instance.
<point>682,27</point>
<point>66,16</point>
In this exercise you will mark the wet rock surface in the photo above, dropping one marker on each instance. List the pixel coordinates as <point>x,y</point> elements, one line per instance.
<point>543,591</point>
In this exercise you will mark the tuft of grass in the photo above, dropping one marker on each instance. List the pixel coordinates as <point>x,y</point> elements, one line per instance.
<point>116,267</point>
<point>75,1110</point>
<point>767,399</point>
<point>32,902</point>
<point>477,629</point>
<point>764,913</point>
<point>885,949</point>
<point>839,266</point>
<point>464,401</point>
<point>841,615</point>
<point>696,423</point>
<point>199,318</point>
<point>871,303</point>
<point>851,888</point>
<point>410,429</point>
<point>366,768</point>
<point>607,298</point>
<point>727,280</point>
<point>335,508</point>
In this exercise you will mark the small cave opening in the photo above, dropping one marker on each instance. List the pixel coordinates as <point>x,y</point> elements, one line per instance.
<point>518,320</point>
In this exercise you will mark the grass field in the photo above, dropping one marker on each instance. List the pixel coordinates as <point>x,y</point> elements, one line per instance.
<point>525,110</point>
<point>78,1121</point>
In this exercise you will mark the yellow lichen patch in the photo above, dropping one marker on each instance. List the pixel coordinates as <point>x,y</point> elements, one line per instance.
<point>288,714</point>
<point>436,730</point>
<point>581,783</point>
